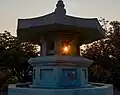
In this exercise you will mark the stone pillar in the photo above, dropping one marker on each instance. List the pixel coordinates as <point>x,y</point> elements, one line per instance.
<point>77,46</point>
<point>34,76</point>
<point>50,48</point>
<point>37,80</point>
<point>56,47</point>
<point>84,77</point>
<point>77,50</point>
<point>43,46</point>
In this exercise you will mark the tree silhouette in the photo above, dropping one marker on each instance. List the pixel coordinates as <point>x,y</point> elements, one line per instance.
<point>14,56</point>
<point>105,52</point>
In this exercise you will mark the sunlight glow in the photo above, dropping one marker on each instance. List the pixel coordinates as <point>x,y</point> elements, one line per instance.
<point>66,49</point>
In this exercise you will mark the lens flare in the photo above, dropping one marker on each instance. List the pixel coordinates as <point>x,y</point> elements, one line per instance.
<point>66,49</point>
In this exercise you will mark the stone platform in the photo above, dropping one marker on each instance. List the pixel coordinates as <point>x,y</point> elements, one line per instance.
<point>92,89</point>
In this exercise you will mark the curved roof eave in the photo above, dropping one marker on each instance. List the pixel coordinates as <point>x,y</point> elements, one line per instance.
<point>32,22</point>
<point>85,22</point>
<point>52,18</point>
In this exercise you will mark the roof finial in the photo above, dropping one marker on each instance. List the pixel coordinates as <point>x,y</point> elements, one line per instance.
<point>60,8</point>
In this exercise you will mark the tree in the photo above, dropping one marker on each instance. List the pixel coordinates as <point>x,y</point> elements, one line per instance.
<point>106,52</point>
<point>14,55</point>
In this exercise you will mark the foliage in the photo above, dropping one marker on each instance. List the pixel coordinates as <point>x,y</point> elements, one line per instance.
<point>105,52</point>
<point>14,55</point>
<point>5,74</point>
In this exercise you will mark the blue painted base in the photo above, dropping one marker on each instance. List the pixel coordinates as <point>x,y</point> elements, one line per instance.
<point>93,89</point>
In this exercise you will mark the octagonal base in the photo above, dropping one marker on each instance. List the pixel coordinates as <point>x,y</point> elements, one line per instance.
<point>93,89</point>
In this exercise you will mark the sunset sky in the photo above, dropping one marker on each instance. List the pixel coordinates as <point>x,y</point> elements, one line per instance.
<point>11,10</point>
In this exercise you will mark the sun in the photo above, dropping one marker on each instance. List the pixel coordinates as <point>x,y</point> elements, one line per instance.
<point>66,49</point>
